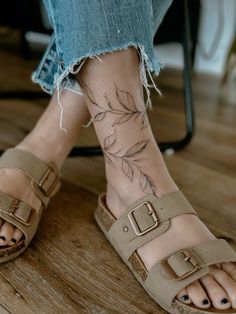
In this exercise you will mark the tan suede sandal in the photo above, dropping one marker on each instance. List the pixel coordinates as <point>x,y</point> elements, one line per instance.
<point>45,183</point>
<point>143,221</point>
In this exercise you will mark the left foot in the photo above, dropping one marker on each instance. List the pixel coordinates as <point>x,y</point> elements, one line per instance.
<point>47,142</point>
<point>16,184</point>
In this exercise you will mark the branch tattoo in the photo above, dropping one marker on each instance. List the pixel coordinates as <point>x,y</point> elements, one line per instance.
<point>126,110</point>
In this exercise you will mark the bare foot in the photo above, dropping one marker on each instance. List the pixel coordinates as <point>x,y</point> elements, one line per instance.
<point>217,288</point>
<point>135,167</point>
<point>50,144</point>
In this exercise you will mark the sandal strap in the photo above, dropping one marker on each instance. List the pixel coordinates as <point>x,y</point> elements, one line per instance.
<point>145,219</point>
<point>16,209</point>
<point>44,175</point>
<point>20,214</point>
<point>168,276</point>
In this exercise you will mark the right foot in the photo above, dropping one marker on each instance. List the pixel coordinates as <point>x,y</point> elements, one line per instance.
<point>218,288</point>
<point>135,167</point>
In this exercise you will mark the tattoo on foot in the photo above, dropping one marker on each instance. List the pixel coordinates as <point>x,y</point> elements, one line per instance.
<point>129,161</point>
<point>127,107</point>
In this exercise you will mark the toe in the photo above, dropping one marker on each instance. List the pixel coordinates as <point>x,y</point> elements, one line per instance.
<point>230,269</point>
<point>16,237</point>
<point>6,233</point>
<point>226,282</point>
<point>198,295</point>
<point>184,297</point>
<point>216,293</point>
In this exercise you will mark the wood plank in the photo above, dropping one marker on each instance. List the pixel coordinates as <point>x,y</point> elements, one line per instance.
<point>70,267</point>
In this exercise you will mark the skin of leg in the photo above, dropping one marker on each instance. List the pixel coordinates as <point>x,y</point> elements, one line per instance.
<point>47,130</point>
<point>134,164</point>
<point>48,142</point>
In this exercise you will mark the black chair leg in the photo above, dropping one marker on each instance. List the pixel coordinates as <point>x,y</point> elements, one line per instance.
<point>23,95</point>
<point>188,98</point>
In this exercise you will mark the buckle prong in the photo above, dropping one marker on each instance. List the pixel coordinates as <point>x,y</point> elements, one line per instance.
<point>12,209</point>
<point>134,223</point>
<point>187,258</point>
<point>45,178</point>
<point>190,258</point>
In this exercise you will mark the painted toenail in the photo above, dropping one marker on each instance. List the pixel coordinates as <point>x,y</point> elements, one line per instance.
<point>3,238</point>
<point>205,302</point>
<point>224,301</point>
<point>13,240</point>
<point>184,297</point>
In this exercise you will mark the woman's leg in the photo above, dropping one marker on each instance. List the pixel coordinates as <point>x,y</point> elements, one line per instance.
<point>50,144</point>
<point>135,167</point>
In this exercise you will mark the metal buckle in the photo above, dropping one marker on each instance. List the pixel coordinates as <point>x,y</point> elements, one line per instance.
<point>190,258</point>
<point>13,208</point>
<point>134,223</point>
<point>45,178</point>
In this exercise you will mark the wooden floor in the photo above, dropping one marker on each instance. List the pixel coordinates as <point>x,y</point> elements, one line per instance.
<point>70,267</point>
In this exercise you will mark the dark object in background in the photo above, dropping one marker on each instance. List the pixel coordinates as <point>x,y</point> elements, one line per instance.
<point>171,30</point>
<point>177,21</point>
<point>23,15</point>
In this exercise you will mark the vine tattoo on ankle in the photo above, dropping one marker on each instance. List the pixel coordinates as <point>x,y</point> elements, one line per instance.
<point>126,110</point>
<point>129,161</point>
<point>127,107</point>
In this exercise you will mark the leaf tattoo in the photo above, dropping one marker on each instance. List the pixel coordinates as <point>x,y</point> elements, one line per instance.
<point>146,183</point>
<point>129,161</point>
<point>125,99</point>
<point>89,94</point>
<point>127,107</point>
<point>108,159</point>
<point>127,169</point>
<point>109,141</point>
<point>108,102</point>
<point>144,119</point>
<point>135,149</point>
<point>100,116</point>
<point>126,110</point>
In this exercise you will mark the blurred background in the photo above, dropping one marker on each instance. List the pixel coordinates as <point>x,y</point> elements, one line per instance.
<point>196,116</point>
<point>205,49</point>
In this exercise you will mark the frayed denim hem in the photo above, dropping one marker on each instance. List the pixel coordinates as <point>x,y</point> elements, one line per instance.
<point>64,81</point>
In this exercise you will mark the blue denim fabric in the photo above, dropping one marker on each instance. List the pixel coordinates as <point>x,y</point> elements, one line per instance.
<point>85,29</point>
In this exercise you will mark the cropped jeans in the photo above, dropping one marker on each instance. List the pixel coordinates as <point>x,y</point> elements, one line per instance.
<point>88,28</point>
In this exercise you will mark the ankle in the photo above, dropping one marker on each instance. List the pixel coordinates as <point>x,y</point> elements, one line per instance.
<point>45,148</point>
<point>150,178</point>
<point>121,194</point>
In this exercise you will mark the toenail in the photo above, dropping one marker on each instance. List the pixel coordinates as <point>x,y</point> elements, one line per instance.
<point>13,240</point>
<point>3,238</point>
<point>205,302</point>
<point>184,297</point>
<point>224,301</point>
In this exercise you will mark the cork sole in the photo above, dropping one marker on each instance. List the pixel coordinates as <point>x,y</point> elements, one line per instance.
<point>178,307</point>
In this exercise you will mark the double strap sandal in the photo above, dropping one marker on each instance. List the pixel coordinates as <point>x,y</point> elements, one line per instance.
<point>144,220</point>
<point>45,183</point>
